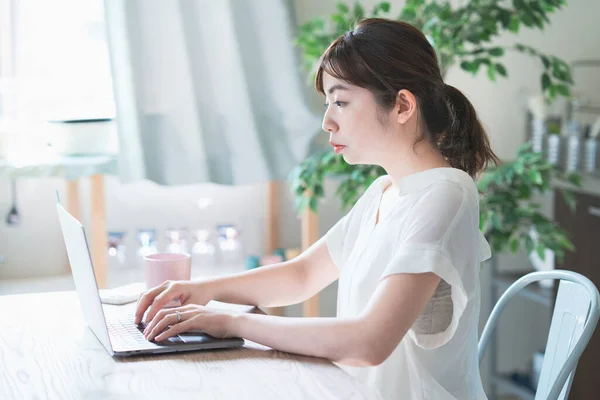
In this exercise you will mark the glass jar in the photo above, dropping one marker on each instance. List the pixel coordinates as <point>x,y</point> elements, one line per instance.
<point>116,248</point>
<point>230,247</point>
<point>177,240</point>
<point>146,242</point>
<point>203,249</point>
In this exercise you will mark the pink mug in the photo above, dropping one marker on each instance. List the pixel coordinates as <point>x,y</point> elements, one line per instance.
<point>166,267</point>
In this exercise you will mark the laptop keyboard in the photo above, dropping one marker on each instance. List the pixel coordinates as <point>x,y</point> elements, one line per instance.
<point>128,334</point>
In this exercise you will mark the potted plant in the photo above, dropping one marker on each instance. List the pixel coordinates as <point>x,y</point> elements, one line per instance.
<point>460,36</point>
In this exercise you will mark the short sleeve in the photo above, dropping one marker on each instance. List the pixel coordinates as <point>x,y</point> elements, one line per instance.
<point>440,236</point>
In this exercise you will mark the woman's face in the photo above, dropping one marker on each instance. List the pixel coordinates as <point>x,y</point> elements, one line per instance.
<point>357,128</point>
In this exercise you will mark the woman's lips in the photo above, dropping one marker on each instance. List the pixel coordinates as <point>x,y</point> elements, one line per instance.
<point>337,148</point>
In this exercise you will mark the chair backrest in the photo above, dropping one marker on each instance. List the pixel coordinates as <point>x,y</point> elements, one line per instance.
<point>574,319</point>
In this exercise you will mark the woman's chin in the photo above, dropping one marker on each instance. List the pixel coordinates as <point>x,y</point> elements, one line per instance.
<point>350,159</point>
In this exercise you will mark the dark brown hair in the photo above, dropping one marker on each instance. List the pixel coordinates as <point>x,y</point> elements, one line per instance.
<point>386,56</point>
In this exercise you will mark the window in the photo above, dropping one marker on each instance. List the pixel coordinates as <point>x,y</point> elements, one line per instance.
<point>54,64</point>
<point>6,55</point>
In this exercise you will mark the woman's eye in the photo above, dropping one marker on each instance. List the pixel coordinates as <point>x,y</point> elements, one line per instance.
<point>337,103</point>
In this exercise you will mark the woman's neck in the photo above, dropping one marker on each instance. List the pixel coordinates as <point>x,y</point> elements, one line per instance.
<point>412,159</point>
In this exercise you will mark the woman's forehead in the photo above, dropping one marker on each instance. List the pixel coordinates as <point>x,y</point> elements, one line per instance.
<point>332,84</point>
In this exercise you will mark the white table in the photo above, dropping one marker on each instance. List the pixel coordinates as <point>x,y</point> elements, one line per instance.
<point>47,352</point>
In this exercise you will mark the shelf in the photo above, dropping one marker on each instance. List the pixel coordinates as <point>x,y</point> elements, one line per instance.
<point>531,292</point>
<point>68,167</point>
<point>590,184</point>
<point>505,385</point>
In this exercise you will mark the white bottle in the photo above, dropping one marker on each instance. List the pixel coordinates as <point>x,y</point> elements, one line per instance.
<point>591,150</point>
<point>553,154</point>
<point>573,147</point>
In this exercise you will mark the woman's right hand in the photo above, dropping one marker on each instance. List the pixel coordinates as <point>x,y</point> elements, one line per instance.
<point>155,299</point>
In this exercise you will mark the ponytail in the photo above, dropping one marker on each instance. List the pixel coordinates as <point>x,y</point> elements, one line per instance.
<point>464,143</point>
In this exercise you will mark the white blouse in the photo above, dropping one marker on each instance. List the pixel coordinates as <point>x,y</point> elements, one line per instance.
<point>433,227</point>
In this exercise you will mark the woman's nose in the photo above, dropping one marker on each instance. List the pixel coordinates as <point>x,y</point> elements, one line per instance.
<point>328,124</point>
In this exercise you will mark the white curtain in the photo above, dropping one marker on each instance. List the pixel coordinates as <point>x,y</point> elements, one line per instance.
<point>207,91</point>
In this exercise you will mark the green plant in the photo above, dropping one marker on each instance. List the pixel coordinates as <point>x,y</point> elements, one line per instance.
<point>509,209</point>
<point>461,36</point>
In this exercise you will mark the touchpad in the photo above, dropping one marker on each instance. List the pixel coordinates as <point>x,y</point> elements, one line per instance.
<point>195,337</point>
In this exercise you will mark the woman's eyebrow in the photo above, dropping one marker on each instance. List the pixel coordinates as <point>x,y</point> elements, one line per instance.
<point>336,87</point>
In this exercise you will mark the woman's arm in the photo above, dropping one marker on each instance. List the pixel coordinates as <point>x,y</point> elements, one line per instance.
<point>277,285</point>
<point>365,340</point>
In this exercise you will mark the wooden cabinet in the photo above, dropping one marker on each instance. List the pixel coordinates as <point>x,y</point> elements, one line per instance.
<point>584,231</point>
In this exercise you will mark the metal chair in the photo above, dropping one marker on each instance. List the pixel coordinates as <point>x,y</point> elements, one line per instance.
<point>574,320</point>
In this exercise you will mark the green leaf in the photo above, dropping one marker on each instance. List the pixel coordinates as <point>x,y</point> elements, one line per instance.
<point>304,203</point>
<point>385,6</point>
<point>445,13</point>
<point>496,223</point>
<point>468,66</point>
<point>496,51</point>
<point>564,241</point>
<point>540,250</point>
<point>408,14</point>
<point>342,8</point>
<point>339,20</point>
<point>491,72</point>
<point>514,245</point>
<point>529,245</point>
<point>519,168</point>
<point>551,94</point>
<point>524,148</point>
<point>318,190</point>
<point>504,17</point>
<point>528,19</point>
<point>501,70</point>
<point>563,90</point>
<point>545,81</point>
<point>513,26</point>
<point>313,204</point>
<point>536,177</point>
<point>483,221</point>
<point>546,61</point>
<point>359,11</point>
<point>569,199</point>
<point>575,179</point>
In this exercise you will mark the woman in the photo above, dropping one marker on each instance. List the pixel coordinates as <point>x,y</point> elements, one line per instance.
<point>407,255</point>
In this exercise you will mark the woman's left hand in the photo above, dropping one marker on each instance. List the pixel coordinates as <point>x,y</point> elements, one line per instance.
<point>173,321</point>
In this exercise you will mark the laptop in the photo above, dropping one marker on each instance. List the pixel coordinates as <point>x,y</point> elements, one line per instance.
<point>113,326</point>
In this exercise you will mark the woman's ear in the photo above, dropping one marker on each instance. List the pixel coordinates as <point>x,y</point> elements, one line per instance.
<point>406,106</point>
